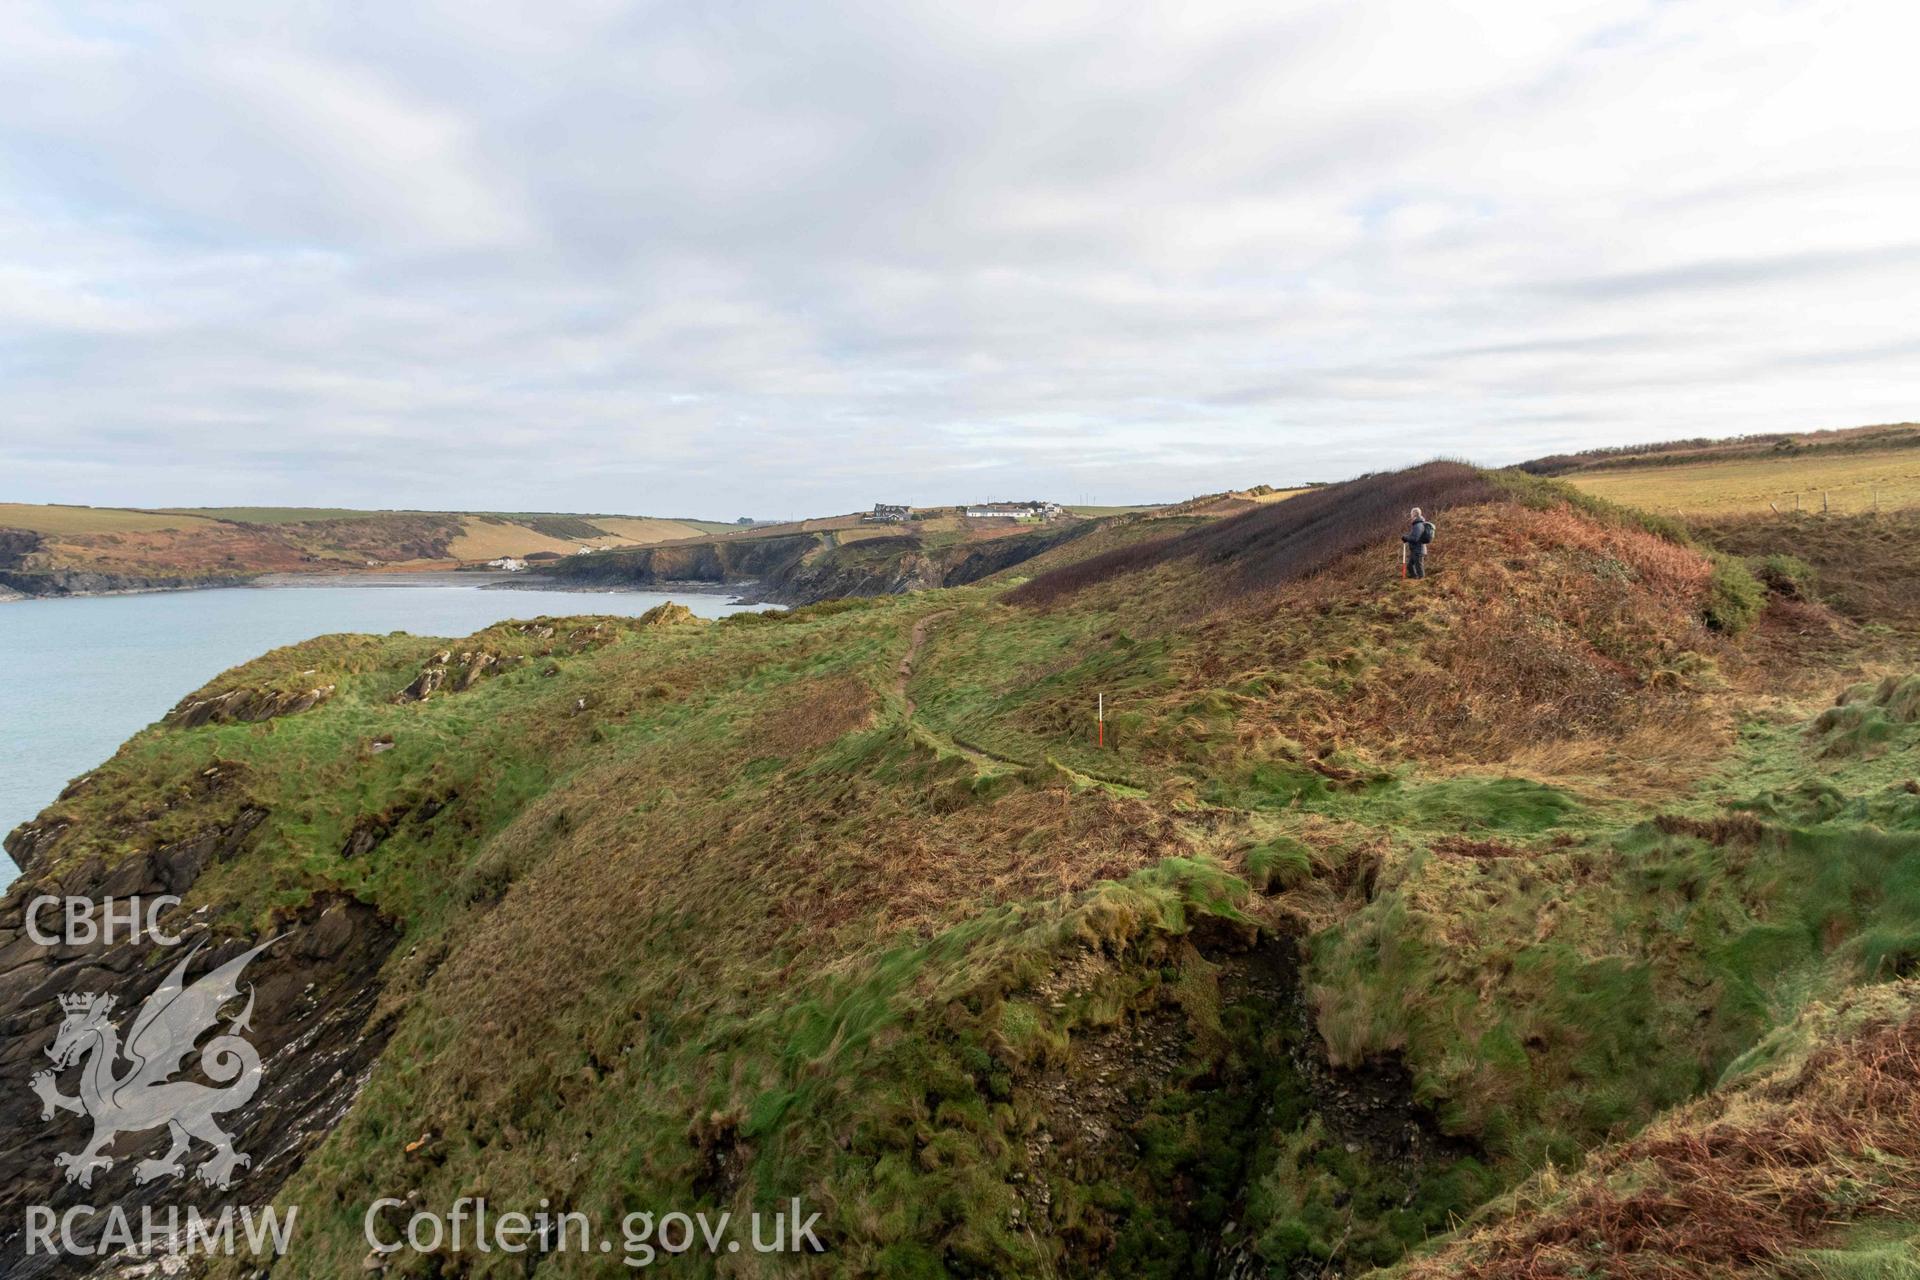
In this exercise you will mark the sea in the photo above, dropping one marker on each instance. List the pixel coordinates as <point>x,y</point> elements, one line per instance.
<point>80,676</point>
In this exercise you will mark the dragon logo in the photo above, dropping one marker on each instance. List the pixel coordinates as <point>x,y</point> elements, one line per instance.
<point>139,1095</point>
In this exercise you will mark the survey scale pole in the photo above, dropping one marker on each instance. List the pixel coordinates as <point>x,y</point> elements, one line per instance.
<point>1100,720</point>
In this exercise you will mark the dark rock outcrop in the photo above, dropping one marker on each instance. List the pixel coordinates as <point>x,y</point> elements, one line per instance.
<point>313,991</point>
<point>455,674</point>
<point>668,615</point>
<point>16,545</point>
<point>79,582</point>
<point>245,706</point>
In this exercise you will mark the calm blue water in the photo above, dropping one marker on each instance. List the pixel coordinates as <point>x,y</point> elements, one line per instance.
<point>79,677</point>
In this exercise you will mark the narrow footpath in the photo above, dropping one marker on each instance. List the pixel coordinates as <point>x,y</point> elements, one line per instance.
<point>915,641</point>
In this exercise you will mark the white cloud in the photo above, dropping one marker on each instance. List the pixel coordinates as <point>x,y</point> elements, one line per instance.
<point>680,257</point>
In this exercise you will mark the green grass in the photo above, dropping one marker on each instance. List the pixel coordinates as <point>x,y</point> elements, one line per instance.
<point>1613,949</point>
<point>1876,1251</point>
<point>1280,863</point>
<point>696,915</point>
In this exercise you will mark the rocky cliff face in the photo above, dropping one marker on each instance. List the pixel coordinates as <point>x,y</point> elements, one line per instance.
<point>712,563</point>
<point>807,568</point>
<point>81,582</point>
<point>876,567</point>
<point>15,546</point>
<point>313,992</point>
<point>983,560</point>
<point>895,566</point>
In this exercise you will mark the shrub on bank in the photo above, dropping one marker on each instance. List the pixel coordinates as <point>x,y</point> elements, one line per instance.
<point>1734,597</point>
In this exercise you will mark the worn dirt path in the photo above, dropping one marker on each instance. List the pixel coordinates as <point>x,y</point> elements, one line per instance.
<point>983,759</point>
<point>914,643</point>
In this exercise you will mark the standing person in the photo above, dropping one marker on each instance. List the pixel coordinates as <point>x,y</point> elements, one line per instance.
<point>1417,536</point>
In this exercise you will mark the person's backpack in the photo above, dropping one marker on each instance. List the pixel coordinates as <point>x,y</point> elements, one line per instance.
<point>1426,532</point>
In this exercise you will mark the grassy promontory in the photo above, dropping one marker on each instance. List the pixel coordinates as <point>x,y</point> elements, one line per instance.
<point>1385,907</point>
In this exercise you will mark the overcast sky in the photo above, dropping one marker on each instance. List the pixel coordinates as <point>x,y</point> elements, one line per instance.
<point>725,258</point>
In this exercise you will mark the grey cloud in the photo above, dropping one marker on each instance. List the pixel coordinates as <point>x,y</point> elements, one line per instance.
<point>1735,273</point>
<point>727,258</point>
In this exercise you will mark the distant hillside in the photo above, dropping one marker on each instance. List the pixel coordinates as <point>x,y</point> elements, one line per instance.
<point>61,550</point>
<point>808,561</point>
<point>1771,445</point>
<point>71,550</point>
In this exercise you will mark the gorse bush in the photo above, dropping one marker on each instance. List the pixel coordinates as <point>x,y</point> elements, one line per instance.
<point>1734,597</point>
<point>1285,541</point>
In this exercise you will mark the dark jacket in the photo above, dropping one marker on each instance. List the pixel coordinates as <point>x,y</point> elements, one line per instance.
<point>1418,536</point>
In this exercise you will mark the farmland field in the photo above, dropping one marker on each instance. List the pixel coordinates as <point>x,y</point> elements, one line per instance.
<point>1094,512</point>
<point>280,515</point>
<point>485,540</point>
<point>61,519</point>
<point>866,532</point>
<point>1849,482</point>
<point>650,529</point>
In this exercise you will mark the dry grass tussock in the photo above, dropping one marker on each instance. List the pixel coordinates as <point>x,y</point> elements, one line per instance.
<point>1543,635</point>
<point>906,870</point>
<point>1739,1183</point>
<point>808,880</point>
<point>1552,626</point>
<point>812,714</point>
<point>1642,762</point>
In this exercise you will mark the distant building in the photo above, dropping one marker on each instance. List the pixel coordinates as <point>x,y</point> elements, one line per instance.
<point>887,513</point>
<point>509,563</point>
<point>1015,511</point>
